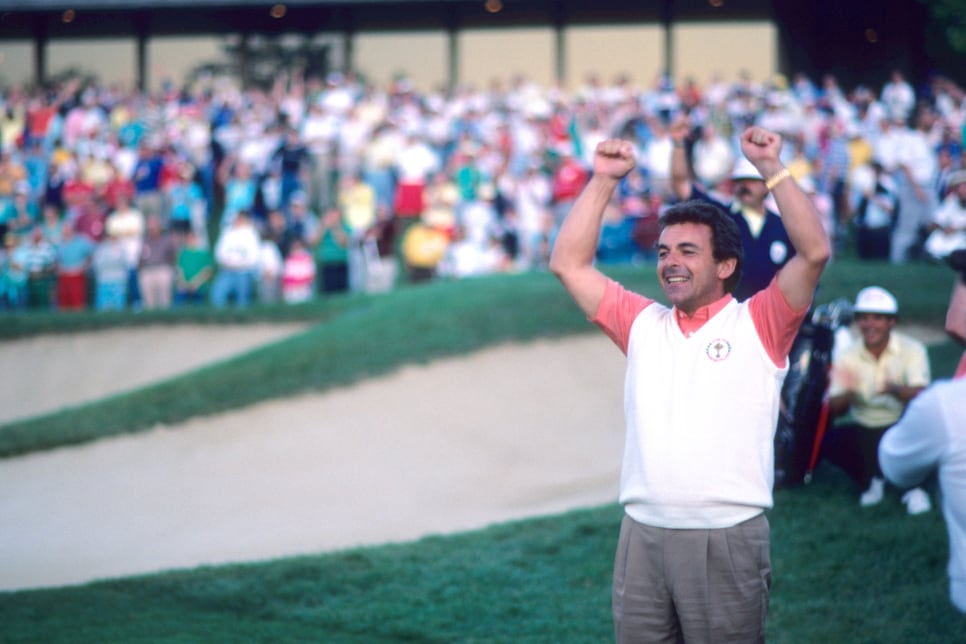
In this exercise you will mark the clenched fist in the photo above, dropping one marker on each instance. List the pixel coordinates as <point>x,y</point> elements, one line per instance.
<point>614,158</point>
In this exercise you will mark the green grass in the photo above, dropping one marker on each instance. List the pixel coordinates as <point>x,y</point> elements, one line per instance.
<point>355,337</point>
<point>841,573</point>
<point>848,574</point>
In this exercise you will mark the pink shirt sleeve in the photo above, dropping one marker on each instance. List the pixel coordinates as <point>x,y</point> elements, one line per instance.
<point>777,324</point>
<point>617,312</point>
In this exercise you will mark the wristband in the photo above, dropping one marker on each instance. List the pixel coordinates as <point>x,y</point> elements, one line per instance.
<point>778,178</point>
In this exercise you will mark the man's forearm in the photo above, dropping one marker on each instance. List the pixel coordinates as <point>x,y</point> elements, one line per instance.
<point>576,243</point>
<point>680,171</point>
<point>801,220</point>
<point>841,403</point>
<point>904,393</point>
<point>574,249</point>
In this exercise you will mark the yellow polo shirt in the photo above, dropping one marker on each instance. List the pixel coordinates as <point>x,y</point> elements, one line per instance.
<point>904,362</point>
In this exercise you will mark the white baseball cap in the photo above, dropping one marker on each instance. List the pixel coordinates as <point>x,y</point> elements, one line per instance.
<point>875,299</point>
<point>745,170</point>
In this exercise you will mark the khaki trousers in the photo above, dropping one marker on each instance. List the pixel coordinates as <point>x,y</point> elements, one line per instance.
<point>692,585</point>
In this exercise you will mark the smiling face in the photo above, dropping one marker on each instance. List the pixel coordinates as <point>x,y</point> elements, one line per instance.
<point>690,276</point>
<point>875,329</point>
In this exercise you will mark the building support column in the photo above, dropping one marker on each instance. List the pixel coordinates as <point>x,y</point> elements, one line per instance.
<point>667,20</point>
<point>347,29</point>
<point>141,61</point>
<point>40,54</point>
<point>559,46</point>
<point>452,57</point>
<point>244,60</point>
<point>348,50</point>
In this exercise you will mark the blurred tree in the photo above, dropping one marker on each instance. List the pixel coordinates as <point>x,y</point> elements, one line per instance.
<point>950,17</point>
<point>261,60</point>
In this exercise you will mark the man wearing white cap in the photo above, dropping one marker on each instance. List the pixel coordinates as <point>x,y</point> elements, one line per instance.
<point>873,381</point>
<point>764,241</point>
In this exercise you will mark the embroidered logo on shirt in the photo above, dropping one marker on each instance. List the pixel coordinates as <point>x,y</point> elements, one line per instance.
<point>718,349</point>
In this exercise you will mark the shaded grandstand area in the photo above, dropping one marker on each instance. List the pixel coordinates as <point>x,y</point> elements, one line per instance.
<point>853,40</point>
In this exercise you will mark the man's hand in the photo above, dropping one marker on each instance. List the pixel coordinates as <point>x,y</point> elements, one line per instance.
<point>847,378</point>
<point>613,159</point>
<point>762,148</point>
<point>849,382</point>
<point>892,389</point>
<point>572,260</point>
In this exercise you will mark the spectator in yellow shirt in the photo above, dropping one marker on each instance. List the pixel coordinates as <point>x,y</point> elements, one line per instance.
<point>872,382</point>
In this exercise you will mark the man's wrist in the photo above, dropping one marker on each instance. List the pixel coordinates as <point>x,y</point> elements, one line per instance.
<point>777,178</point>
<point>604,181</point>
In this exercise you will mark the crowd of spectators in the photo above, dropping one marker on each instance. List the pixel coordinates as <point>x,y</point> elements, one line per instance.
<point>116,199</point>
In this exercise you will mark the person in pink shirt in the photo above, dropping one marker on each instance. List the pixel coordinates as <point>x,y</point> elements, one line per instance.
<point>298,274</point>
<point>701,401</point>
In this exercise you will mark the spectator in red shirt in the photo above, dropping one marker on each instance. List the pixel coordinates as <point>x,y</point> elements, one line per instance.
<point>40,113</point>
<point>77,192</point>
<point>88,218</point>
<point>569,178</point>
<point>117,186</point>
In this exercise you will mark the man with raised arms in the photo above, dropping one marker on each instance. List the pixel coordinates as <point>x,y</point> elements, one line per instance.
<point>701,402</point>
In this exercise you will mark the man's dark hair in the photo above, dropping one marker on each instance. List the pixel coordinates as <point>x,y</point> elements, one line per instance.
<point>725,236</point>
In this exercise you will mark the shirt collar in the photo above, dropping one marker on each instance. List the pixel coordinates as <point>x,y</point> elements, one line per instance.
<point>691,324</point>
<point>891,348</point>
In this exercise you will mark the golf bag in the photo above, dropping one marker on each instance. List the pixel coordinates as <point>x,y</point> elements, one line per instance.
<point>804,410</point>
